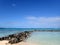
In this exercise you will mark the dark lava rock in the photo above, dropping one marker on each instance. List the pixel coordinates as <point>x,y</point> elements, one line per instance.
<point>16,38</point>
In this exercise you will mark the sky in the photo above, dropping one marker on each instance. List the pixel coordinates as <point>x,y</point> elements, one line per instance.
<point>30,13</point>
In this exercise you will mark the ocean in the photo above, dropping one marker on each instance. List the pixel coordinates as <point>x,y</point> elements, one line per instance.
<point>39,38</point>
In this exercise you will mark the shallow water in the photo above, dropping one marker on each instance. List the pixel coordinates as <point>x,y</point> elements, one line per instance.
<point>39,38</point>
<point>7,31</point>
<point>45,38</point>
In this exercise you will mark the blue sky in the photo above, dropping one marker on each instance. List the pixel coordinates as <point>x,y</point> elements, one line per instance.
<point>30,13</point>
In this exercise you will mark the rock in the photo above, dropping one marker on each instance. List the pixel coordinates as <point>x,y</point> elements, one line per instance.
<point>16,38</point>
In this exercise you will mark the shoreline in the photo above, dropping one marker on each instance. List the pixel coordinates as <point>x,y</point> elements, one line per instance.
<point>5,42</point>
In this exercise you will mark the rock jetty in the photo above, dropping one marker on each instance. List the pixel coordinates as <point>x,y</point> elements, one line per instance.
<point>16,38</point>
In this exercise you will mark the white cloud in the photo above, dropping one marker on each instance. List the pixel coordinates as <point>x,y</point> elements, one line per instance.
<point>44,22</point>
<point>34,22</point>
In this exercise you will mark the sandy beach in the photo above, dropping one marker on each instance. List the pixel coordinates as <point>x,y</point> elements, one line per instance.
<point>4,42</point>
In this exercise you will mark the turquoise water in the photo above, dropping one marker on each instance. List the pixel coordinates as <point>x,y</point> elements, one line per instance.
<point>45,38</point>
<point>39,38</point>
<point>7,31</point>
